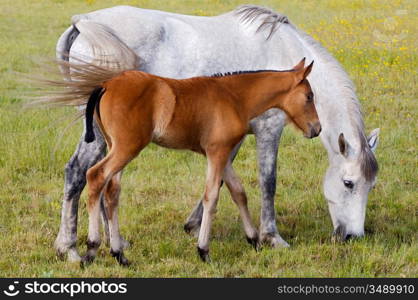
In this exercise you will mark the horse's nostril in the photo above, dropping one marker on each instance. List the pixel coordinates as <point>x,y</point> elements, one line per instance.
<point>348,237</point>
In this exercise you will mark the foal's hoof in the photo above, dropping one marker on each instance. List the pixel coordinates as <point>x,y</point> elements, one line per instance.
<point>255,242</point>
<point>204,254</point>
<point>121,259</point>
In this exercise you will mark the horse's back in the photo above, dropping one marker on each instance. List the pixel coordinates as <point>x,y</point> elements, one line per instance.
<point>181,46</point>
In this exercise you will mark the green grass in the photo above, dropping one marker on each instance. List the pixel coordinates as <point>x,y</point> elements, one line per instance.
<point>377,45</point>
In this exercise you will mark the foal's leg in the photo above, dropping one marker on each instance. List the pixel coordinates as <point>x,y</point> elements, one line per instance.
<point>83,158</point>
<point>112,203</point>
<point>216,164</point>
<point>268,129</point>
<point>240,198</point>
<point>97,178</point>
<point>194,220</point>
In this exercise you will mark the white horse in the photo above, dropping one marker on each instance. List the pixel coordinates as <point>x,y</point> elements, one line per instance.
<point>248,38</point>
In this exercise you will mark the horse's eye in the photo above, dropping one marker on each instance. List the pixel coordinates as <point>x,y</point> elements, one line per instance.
<point>310,97</point>
<point>348,184</point>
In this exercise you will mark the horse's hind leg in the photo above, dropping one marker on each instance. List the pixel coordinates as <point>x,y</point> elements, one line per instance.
<point>85,156</point>
<point>268,130</point>
<point>194,220</point>
<point>240,198</point>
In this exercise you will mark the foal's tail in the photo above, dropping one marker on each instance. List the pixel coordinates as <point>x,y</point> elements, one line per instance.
<point>94,99</point>
<point>80,79</point>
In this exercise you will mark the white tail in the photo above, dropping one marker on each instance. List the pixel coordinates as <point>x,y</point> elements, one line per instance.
<point>81,75</point>
<point>108,50</point>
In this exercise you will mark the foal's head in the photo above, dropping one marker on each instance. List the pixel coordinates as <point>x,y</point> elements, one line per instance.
<point>299,101</point>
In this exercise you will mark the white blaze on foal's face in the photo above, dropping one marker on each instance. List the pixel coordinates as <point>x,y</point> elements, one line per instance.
<point>347,184</point>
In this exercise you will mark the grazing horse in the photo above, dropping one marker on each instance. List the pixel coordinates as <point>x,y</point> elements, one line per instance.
<point>208,115</point>
<point>247,38</point>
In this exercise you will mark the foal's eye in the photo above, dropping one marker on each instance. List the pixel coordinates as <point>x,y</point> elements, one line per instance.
<point>348,184</point>
<point>310,97</point>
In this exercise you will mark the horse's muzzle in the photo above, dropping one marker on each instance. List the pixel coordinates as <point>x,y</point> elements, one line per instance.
<point>314,130</point>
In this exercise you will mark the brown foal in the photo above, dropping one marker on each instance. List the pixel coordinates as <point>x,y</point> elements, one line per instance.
<point>208,115</point>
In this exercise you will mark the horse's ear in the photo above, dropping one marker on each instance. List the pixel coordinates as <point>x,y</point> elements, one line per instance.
<point>300,65</point>
<point>373,139</point>
<point>343,145</point>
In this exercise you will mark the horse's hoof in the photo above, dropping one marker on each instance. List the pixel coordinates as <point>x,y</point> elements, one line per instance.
<point>61,255</point>
<point>255,242</point>
<point>86,260</point>
<point>124,262</point>
<point>274,240</point>
<point>204,254</point>
<point>120,258</point>
<point>73,255</point>
<point>125,243</point>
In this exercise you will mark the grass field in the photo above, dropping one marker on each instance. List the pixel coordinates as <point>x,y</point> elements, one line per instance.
<point>376,41</point>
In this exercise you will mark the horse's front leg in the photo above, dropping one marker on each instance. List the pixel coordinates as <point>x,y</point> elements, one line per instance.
<point>194,220</point>
<point>268,129</point>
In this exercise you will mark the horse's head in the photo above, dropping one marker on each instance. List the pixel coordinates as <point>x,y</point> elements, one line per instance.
<point>300,102</point>
<point>348,181</point>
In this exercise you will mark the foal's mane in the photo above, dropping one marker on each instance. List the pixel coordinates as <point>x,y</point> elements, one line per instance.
<point>272,20</point>
<point>247,72</point>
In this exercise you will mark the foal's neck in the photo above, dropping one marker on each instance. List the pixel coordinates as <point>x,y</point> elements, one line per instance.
<point>258,92</point>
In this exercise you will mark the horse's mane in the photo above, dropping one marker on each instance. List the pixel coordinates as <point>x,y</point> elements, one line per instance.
<point>272,20</point>
<point>368,162</point>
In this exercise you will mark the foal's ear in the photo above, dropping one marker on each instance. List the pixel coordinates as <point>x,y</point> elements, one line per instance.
<point>373,139</point>
<point>300,65</point>
<point>308,70</point>
<point>343,145</point>
<point>302,73</point>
